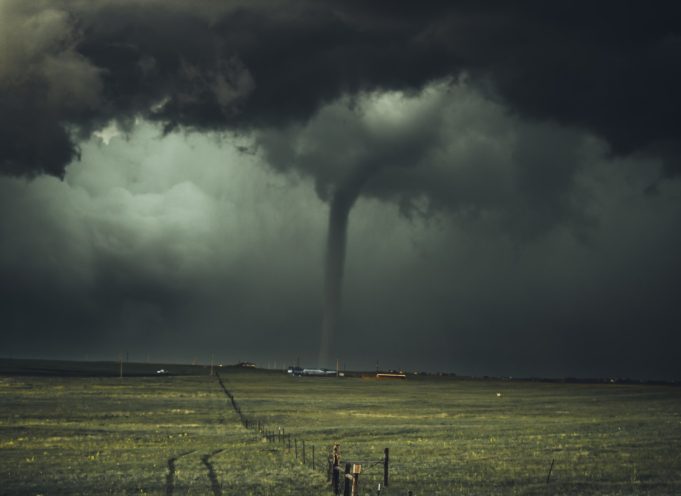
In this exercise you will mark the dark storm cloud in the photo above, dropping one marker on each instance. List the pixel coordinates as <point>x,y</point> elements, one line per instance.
<point>513,130</point>
<point>444,149</point>
<point>611,68</point>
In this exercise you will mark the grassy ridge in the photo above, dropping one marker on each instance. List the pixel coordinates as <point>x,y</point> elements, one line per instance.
<point>179,435</point>
<point>63,368</point>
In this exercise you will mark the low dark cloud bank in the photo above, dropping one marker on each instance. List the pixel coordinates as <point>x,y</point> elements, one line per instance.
<point>532,151</point>
<point>611,68</point>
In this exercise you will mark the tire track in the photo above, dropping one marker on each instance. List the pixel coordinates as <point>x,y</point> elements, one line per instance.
<point>170,477</point>
<point>214,484</point>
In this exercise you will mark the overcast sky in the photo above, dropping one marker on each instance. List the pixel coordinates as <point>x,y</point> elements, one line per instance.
<point>511,176</point>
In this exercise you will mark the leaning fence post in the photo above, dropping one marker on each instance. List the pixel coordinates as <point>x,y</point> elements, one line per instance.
<point>347,476</point>
<point>386,464</point>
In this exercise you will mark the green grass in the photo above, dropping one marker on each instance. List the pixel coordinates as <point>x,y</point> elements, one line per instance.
<point>115,436</point>
<point>449,436</point>
<point>104,435</point>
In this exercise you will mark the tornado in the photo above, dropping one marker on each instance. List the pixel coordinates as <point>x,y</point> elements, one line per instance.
<point>344,197</point>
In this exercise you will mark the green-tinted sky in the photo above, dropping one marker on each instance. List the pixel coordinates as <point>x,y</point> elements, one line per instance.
<point>511,177</point>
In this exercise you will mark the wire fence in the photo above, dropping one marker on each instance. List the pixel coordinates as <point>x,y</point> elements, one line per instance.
<point>338,472</point>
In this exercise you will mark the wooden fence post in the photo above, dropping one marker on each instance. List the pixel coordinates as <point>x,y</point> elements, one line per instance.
<point>356,469</point>
<point>335,479</point>
<point>347,476</point>
<point>335,474</point>
<point>386,464</point>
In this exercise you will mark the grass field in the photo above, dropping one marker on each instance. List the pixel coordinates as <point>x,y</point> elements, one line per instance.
<point>180,435</point>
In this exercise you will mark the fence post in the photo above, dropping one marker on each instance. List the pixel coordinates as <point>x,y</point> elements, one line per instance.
<point>548,477</point>
<point>295,445</point>
<point>356,470</point>
<point>335,479</point>
<point>335,474</point>
<point>386,464</point>
<point>289,443</point>
<point>347,477</point>
<point>303,452</point>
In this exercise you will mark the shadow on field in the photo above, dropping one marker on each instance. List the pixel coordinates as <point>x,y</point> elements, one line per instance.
<point>170,477</point>
<point>215,486</point>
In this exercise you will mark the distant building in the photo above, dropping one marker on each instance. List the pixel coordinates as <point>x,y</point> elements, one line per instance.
<point>391,375</point>
<point>248,365</point>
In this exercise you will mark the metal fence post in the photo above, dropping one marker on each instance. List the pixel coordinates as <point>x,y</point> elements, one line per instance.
<point>386,463</point>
